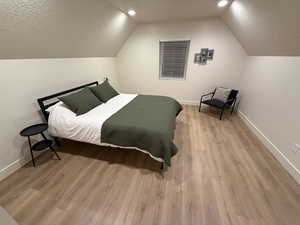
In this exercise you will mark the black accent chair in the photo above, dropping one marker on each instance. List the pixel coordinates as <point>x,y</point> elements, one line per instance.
<point>230,103</point>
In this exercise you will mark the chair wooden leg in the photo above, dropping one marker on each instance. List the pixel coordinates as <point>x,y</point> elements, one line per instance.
<point>200,107</point>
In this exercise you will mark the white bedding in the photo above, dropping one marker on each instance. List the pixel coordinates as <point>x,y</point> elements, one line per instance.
<point>87,127</point>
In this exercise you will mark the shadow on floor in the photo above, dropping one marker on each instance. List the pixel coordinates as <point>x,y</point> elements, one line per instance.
<point>123,157</point>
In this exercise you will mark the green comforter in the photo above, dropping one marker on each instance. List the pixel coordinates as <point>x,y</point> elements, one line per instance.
<point>148,123</point>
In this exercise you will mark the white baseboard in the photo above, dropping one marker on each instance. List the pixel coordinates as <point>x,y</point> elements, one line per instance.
<point>14,166</point>
<point>11,168</point>
<point>285,162</point>
<point>184,102</point>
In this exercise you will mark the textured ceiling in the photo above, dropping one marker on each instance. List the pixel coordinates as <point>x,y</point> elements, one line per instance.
<point>266,27</point>
<point>161,10</point>
<point>61,28</point>
<point>91,28</point>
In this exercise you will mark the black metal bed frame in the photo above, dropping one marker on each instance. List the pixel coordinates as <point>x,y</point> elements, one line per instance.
<point>44,106</point>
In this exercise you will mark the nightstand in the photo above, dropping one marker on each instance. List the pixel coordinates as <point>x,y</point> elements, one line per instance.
<point>41,145</point>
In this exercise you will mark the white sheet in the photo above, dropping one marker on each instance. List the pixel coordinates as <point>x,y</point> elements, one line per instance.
<point>87,127</point>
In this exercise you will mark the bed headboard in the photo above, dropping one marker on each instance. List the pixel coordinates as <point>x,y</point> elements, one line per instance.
<point>42,101</point>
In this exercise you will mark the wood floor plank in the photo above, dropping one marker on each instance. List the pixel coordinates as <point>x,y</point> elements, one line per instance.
<point>222,175</point>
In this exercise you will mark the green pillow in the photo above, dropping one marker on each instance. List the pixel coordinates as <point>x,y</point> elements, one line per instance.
<point>81,101</point>
<point>104,91</point>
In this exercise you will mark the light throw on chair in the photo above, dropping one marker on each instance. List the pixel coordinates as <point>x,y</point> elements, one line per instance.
<point>222,94</point>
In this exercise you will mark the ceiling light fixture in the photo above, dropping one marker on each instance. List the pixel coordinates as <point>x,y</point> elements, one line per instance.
<point>131,12</point>
<point>223,3</point>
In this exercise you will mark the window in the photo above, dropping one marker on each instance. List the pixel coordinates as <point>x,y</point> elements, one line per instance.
<point>173,57</point>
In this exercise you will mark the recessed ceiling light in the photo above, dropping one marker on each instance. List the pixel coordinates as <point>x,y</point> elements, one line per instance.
<point>223,3</point>
<point>131,12</point>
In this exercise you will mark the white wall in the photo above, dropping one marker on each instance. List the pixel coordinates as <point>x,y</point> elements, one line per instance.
<point>23,81</point>
<point>269,85</point>
<point>138,59</point>
<point>271,102</point>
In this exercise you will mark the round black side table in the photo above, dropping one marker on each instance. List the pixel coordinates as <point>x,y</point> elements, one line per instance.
<point>41,145</point>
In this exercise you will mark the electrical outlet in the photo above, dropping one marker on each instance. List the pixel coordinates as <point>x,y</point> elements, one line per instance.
<point>295,148</point>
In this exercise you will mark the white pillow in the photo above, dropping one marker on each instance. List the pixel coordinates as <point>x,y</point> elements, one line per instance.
<point>52,108</point>
<point>222,94</point>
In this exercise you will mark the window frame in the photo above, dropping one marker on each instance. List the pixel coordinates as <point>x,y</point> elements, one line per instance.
<point>186,60</point>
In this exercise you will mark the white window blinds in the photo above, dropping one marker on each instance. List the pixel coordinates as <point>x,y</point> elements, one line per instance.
<point>173,59</point>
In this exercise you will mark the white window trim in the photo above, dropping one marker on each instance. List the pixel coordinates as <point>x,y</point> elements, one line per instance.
<point>186,63</point>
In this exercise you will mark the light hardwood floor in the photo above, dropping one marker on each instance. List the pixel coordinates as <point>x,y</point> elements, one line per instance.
<point>222,175</point>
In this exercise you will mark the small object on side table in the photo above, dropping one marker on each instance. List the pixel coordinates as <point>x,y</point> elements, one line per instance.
<point>41,145</point>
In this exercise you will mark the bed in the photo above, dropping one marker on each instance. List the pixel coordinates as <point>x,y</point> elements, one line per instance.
<point>141,122</point>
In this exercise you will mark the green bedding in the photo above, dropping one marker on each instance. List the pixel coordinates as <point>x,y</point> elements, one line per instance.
<point>148,123</point>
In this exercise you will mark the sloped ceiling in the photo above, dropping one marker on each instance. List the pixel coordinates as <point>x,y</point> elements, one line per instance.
<point>95,28</point>
<point>162,10</point>
<point>266,27</point>
<point>263,27</point>
<point>61,28</point>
